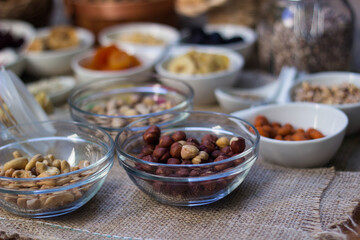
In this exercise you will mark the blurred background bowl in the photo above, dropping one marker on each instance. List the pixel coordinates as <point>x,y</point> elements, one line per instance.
<point>352,110</point>
<point>96,16</point>
<point>18,29</point>
<point>169,35</point>
<point>203,84</point>
<point>57,62</point>
<point>65,140</point>
<point>300,154</point>
<point>138,73</point>
<point>185,190</point>
<point>165,98</point>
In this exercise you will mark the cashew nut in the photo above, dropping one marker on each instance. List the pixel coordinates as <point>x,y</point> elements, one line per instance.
<point>21,202</point>
<point>84,164</point>
<point>17,163</point>
<point>22,174</point>
<point>62,181</point>
<point>33,204</point>
<point>17,154</point>
<point>40,167</point>
<point>2,172</point>
<point>56,163</point>
<point>9,172</point>
<point>65,166</point>
<point>59,200</point>
<point>32,162</point>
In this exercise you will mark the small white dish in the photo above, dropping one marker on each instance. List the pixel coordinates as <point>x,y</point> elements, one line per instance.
<point>204,85</point>
<point>18,29</point>
<point>300,154</point>
<point>56,88</point>
<point>331,79</point>
<point>169,35</point>
<point>57,62</point>
<point>139,73</point>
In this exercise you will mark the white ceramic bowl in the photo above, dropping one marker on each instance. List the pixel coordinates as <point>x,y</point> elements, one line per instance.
<point>203,84</point>
<point>166,33</point>
<point>335,78</point>
<point>57,62</point>
<point>19,29</point>
<point>57,88</point>
<point>301,154</point>
<point>139,73</point>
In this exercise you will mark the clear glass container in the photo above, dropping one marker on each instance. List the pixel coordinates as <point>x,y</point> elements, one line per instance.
<point>312,35</point>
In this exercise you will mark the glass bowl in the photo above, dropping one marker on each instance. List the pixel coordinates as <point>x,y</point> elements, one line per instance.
<point>189,184</point>
<point>103,103</point>
<point>42,197</point>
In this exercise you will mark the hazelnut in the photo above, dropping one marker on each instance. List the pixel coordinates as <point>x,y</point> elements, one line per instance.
<point>194,173</point>
<point>226,150</point>
<point>182,142</point>
<point>175,150</point>
<point>205,149</point>
<point>182,172</point>
<point>165,141</point>
<point>222,142</point>
<point>196,160</point>
<point>147,149</point>
<point>152,134</point>
<point>163,171</point>
<point>192,141</point>
<point>189,151</point>
<point>222,166</point>
<point>173,161</point>
<point>178,136</point>
<point>210,145</point>
<point>216,153</point>
<point>209,137</point>
<point>203,155</point>
<point>237,144</point>
<point>186,161</point>
<point>161,154</point>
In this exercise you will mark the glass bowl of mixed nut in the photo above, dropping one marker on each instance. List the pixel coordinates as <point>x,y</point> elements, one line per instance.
<point>338,89</point>
<point>112,104</point>
<point>193,161</point>
<point>52,168</point>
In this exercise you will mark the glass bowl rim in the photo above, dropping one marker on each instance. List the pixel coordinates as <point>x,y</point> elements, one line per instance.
<point>87,86</point>
<point>137,160</point>
<point>109,154</point>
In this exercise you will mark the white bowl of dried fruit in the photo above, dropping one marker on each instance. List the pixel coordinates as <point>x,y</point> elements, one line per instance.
<point>297,134</point>
<point>51,51</point>
<point>203,68</point>
<point>338,89</point>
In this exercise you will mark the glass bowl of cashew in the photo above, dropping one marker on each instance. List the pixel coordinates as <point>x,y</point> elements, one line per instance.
<point>52,168</point>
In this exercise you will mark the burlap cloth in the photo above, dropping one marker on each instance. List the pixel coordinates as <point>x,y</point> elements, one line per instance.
<point>272,203</point>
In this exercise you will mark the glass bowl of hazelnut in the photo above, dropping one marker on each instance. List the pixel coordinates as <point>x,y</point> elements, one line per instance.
<point>114,103</point>
<point>191,158</point>
<point>52,168</point>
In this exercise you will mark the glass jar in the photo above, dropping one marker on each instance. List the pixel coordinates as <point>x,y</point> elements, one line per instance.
<point>311,35</point>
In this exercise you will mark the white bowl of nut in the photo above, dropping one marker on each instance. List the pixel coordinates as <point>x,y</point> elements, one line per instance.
<point>152,37</point>
<point>52,50</point>
<point>113,103</point>
<point>52,168</point>
<point>203,68</point>
<point>301,135</point>
<point>338,89</point>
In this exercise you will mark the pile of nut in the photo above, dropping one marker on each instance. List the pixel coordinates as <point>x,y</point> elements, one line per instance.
<point>178,149</point>
<point>132,105</point>
<point>336,94</point>
<point>284,132</point>
<point>39,167</point>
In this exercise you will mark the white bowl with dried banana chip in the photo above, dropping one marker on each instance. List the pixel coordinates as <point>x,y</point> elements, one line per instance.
<point>203,68</point>
<point>53,48</point>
